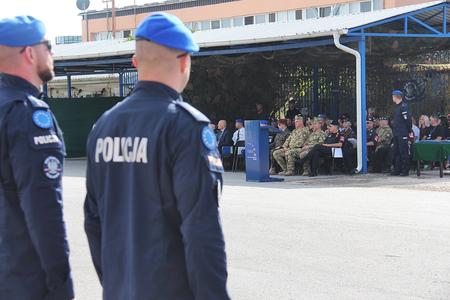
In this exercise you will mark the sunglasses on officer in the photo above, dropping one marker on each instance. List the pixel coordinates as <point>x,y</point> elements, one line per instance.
<point>47,44</point>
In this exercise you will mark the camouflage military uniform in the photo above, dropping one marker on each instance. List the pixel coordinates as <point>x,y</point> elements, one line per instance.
<point>316,137</point>
<point>277,144</point>
<point>294,142</point>
<point>383,154</point>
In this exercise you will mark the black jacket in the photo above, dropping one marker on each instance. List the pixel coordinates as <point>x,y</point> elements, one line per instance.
<point>154,180</point>
<point>34,254</point>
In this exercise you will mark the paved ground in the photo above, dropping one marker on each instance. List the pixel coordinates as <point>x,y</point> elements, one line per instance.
<point>339,237</point>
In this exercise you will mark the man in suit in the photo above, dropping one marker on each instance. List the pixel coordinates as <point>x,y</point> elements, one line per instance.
<point>223,135</point>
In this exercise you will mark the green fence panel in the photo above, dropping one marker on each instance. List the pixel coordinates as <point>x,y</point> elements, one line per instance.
<point>76,118</point>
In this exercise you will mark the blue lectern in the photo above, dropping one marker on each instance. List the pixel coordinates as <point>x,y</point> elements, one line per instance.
<point>257,151</point>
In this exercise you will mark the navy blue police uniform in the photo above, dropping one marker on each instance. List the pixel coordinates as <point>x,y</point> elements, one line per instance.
<point>321,151</point>
<point>401,130</point>
<point>372,137</point>
<point>34,263</point>
<point>154,181</point>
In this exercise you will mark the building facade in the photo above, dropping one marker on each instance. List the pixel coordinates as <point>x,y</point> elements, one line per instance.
<point>216,14</point>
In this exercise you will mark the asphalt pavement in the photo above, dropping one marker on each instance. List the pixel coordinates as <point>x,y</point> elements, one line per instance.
<point>330,237</point>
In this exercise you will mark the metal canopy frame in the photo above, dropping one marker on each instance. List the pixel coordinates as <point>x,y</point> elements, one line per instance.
<point>429,22</point>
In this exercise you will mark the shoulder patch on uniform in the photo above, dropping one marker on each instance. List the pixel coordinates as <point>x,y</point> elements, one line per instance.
<point>198,115</point>
<point>35,102</point>
<point>208,138</point>
<point>52,167</point>
<point>42,119</point>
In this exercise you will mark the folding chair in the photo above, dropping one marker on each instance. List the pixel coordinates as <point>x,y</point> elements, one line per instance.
<point>238,154</point>
<point>336,153</point>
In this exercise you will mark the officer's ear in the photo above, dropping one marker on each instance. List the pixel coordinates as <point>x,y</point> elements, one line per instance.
<point>134,61</point>
<point>29,55</point>
<point>185,63</point>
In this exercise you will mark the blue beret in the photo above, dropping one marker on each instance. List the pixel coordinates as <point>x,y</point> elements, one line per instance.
<point>167,30</point>
<point>21,31</point>
<point>240,121</point>
<point>322,116</point>
<point>397,93</point>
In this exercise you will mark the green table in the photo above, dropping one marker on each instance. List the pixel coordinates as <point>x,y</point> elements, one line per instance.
<point>431,151</point>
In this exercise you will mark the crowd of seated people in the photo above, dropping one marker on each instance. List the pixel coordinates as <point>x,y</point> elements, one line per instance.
<point>307,145</point>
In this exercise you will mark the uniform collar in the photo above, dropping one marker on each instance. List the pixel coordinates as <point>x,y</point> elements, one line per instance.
<point>156,87</point>
<point>11,81</point>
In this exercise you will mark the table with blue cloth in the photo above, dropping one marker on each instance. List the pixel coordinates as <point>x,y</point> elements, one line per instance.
<point>431,151</point>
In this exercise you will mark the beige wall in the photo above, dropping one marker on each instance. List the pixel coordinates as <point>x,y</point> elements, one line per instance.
<point>227,10</point>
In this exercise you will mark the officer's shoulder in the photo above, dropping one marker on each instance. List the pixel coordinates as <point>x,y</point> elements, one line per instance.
<point>192,112</point>
<point>36,103</point>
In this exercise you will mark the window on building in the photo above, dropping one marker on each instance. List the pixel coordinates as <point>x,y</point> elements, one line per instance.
<point>355,7</point>
<point>126,34</point>
<point>215,24</point>
<point>291,15</point>
<point>226,23</point>
<point>260,19</point>
<point>366,6</point>
<point>272,18</point>
<point>196,26</point>
<point>312,13</point>
<point>378,4</point>
<point>206,25</point>
<point>100,36</point>
<point>238,21</point>
<point>282,16</point>
<point>325,11</point>
<point>250,20</point>
<point>188,25</point>
<point>341,9</point>
<point>299,14</point>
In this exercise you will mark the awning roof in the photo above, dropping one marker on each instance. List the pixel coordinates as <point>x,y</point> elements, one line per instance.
<point>248,35</point>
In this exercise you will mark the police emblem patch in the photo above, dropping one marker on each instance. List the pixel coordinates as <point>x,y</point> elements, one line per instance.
<point>52,167</point>
<point>209,139</point>
<point>215,162</point>
<point>42,119</point>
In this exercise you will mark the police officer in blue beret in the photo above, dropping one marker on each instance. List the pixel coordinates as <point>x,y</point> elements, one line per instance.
<point>34,262</point>
<point>154,180</point>
<point>401,129</point>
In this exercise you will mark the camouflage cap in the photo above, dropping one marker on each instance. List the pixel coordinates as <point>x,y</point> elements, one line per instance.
<point>298,117</point>
<point>316,120</point>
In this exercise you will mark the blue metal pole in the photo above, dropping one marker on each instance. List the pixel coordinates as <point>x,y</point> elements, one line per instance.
<point>315,104</point>
<point>121,84</point>
<point>362,51</point>
<point>69,86</point>
<point>444,20</point>
<point>45,90</point>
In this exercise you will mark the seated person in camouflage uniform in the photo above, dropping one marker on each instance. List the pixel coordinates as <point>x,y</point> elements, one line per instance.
<point>293,144</point>
<point>278,142</point>
<point>382,157</point>
<point>316,137</point>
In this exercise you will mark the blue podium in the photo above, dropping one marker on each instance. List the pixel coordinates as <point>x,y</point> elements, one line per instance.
<point>257,151</point>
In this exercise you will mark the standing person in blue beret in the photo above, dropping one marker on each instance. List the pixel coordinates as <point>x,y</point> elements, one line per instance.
<point>402,129</point>
<point>154,181</point>
<point>34,254</point>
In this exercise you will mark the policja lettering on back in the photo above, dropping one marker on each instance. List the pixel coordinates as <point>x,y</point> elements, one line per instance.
<point>122,149</point>
<point>153,228</point>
